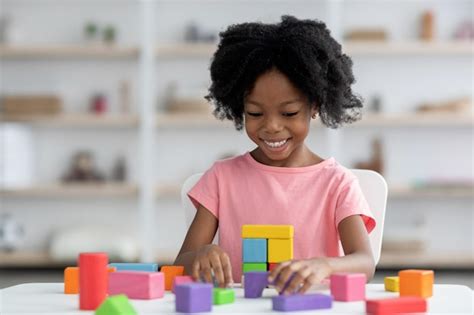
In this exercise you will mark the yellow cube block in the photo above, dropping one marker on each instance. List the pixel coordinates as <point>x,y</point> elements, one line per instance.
<point>280,250</point>
<point>416,283</point>
<point>268,231</point>
<point>392,284</point>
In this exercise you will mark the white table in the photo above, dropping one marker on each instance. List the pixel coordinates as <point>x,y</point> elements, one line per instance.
<point>48,298</point>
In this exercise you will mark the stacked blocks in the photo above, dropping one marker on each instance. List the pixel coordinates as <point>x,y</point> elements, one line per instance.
<point>407,304</point>
<point>266,244</point>
<point>391,284</point>
<point>416,283</point>
<point>194,297</point>
<point>180,280</point>
<point>348,286</point>
<point>135,266</point>
<point>255,282</point>
<point>116,305</point>
<point>298,302</point>
<point>71,279</point>
<point>223,296</point>
<point>137,284</point>
<point>170,273</point>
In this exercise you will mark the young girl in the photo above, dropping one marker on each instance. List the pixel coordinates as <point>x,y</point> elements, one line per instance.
<point>272,79</point>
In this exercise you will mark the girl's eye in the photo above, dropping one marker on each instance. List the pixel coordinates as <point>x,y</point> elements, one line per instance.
<point>254,114</point>
<point>290,114</point>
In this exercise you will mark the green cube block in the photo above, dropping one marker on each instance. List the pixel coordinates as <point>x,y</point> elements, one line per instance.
<point>223,296</point>
<point>116,305</point>
<point>254,267</point>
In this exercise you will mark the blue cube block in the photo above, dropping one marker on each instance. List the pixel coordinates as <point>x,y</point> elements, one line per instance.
<point>135,266</point>
<point>193,297</point>
<point>254,250</point>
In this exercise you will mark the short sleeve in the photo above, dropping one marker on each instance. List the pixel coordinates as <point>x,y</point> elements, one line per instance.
<point>206,191</point>
<point>351,201</point>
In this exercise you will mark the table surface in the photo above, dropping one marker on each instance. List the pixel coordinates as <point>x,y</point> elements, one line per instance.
<point>48,298</point>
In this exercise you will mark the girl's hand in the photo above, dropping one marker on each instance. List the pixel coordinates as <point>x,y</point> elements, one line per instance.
<point>298,276</point>
<point>212,262</point>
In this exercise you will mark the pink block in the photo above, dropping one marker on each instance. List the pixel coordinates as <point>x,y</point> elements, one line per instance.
<point>137,284</point>
<point>180,280</point>
<point>348,286</point>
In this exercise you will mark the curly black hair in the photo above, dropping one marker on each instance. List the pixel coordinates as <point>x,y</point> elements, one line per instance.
<point>303,50</point>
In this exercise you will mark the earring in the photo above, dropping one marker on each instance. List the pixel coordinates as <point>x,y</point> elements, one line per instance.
<point>314,116</point>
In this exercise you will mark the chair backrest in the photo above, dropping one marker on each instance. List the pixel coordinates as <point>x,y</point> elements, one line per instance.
<point>373,186</point>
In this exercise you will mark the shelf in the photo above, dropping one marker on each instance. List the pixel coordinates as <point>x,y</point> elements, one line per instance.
<point>442,192</point>
<point>448,260</point>
<point>30,259</point>
<point>190,120</point>
<point>76,120</point>
<point>388,48</point>
<point>186,50</point>
<point>60,190</point>
<point>68,51</point>
<point>415,120</point>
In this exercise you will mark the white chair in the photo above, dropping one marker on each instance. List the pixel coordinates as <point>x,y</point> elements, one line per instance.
<point>373,186</point>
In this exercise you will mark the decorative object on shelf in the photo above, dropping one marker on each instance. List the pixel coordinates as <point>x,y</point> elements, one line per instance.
<point>124,96</point>
<point>12,233</point>
<point>91,31</point>
<point>444,184</point>
<point>459,105</point>
<point>194,34</point>
<point>82,169</point>
<point>109,34</point>
<point>427,26</point>
<point>376,161</point>
<point>375,105</point>
<point>28,105</point>
<point>367,34</point>
<point>465,31</point>
<point>4,25</point>
<point>99,104</point>
<point>119,172</point>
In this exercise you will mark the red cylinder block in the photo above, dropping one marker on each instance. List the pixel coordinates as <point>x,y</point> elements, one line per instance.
<point>93,280</point>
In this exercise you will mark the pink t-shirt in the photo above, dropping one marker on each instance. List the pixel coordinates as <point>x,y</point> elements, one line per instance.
<point>314,199</point>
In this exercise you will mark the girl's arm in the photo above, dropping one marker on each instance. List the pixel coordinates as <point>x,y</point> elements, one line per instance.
<point>199,256</point>
<point>305,273</point>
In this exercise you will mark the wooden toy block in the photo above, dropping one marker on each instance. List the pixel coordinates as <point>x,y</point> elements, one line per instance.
<point>71,279</point>
<point>170,273</point>
<point>116,305</point>
<point>93,280</point>
<point>137,284</point>
<point>254,283</point>
<point>267,231</point>
<point>280,250</point>
<point>391,284</point>
<point>404,304</point>
<point>180,280</point>
<point>254,250</point>
<point>416,282</point>
<point>223,296</point>
<point>246,267</point>
<point>193,297</point>
<point>348,286</point>
<point>135,266</point>
<point>299,302</point>
<point>272,266</point>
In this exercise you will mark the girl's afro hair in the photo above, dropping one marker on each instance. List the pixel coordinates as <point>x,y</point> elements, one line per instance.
<point>303,50</point>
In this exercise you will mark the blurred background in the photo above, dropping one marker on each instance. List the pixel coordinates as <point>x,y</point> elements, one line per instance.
<point>103,118</point>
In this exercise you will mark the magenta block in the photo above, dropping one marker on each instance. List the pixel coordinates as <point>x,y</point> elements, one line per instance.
<point>348,286</point>
<point>180,280</point>
<point>137,284</point>
<point>193,297</point>
<point>299,302</point>
<point>254,283</point>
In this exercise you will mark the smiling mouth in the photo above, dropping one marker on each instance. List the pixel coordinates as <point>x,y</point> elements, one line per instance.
<point>276,144</point>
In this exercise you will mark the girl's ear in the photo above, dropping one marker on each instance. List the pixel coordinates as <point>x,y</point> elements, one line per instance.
<point>314,111</point>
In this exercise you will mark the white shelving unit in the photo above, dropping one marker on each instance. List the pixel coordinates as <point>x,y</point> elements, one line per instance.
<point>147,123</point>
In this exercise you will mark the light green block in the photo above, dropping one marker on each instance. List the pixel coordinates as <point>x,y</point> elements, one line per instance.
<point>254,267</point>
<point>116,305</point>
<point>223,296</point>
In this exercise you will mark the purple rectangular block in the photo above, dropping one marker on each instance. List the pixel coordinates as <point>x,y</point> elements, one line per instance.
<point>254,283</point>
<point>298,302</point>
<point>193,297</point>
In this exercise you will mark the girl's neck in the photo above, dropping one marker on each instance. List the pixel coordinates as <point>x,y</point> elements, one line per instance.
<point>298,158</point>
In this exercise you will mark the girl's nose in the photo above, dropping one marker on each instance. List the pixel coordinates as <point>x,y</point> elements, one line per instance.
<point>273,125</point>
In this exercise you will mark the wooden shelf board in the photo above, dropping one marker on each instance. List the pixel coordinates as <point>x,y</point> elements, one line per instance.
<point>409,192</point>
<point>73,190</point>
<point>415,120</point>
<point>398,260</point>
<point>368,48</point>
<point>76,120</point>
<point>68,51</point>
<point>29,259</point>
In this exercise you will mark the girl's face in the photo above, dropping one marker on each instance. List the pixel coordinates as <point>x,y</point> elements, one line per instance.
<point>277,118</point>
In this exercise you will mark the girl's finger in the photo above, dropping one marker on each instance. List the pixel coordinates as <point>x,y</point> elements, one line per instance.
<point>227,269</point>
<point>298,278</point>
<point>205,270</point>
<point>195,270</point>
<point>307,284</point>
<point>216,266</point>
<point>276,271</point>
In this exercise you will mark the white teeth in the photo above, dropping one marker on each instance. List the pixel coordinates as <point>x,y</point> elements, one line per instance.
<point>275,144</point>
